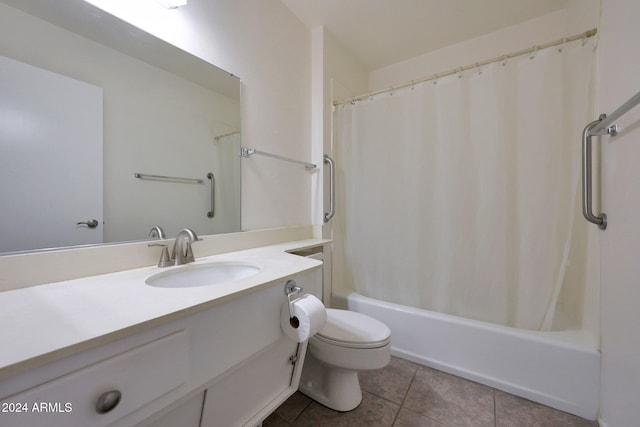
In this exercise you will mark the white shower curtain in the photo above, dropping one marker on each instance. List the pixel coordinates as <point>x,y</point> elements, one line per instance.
<point>459,195</point>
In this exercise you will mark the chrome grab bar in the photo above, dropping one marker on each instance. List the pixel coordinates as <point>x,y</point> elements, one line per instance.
<point>603,126</point>
<point>587,190</point>
<point>246,152</point>
<point>332,184</point>
<point>167,178</point>
<point>213,194</point>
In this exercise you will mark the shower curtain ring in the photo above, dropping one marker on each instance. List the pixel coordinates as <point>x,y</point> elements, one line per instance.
<point>564,43</point>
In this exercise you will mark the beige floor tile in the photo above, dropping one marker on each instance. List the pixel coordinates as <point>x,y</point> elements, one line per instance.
<point>390,382</point>
<point>373,411</point>
<point>451,400</point>
<point>293,406</point>
<point>405,394</point>
<point>320,416</point>
<point>516,411</point>
<point>274,420</point>
<point>407,418</point>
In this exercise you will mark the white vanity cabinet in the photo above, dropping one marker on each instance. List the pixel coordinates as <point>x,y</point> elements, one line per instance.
<point>226,365</point>
<point>123,384</point>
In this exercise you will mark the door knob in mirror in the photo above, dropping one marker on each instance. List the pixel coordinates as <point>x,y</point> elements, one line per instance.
<point>92,223</point>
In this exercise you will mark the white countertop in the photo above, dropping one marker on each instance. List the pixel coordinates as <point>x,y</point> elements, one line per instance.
<point>47,322</point>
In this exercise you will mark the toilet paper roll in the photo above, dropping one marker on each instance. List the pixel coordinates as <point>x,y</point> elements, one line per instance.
<point>309,318</point>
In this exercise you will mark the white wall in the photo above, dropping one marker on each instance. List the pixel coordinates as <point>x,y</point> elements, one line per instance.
<point>334,69</point>
<point>269,49</point>
<point>536,31</point>
<point>335,75</point>
<point>580,15</point>
<point>620,288</point>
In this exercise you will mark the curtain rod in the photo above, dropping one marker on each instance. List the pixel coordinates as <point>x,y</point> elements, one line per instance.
<point>219,137</point>
<point>604,127</point>
<point>533,49</point>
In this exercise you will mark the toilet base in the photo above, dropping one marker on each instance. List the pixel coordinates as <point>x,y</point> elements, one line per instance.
<point>335,388</point>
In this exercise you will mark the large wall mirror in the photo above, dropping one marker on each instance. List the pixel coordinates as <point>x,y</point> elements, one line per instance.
<point>107,132</point>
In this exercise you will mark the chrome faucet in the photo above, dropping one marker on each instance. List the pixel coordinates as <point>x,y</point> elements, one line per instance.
<point>157,231</point>
<point>184,254</point>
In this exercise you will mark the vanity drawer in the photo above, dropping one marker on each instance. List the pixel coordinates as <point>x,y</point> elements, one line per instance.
<point>140,375</point>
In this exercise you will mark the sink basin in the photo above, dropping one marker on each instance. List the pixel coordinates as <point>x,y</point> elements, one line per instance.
<point>202,275</point>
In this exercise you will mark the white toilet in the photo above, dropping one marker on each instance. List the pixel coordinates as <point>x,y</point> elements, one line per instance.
<point>349,342</point>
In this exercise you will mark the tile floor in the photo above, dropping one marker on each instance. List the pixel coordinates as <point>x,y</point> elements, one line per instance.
<point>407,394</point>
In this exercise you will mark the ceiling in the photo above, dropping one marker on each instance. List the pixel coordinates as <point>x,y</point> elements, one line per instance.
<point>382,32</point>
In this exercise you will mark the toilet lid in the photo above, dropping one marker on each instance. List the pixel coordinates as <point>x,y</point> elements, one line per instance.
<point>354,330</point>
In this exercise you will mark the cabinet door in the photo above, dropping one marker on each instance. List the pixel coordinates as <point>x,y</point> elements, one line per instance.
<point>248,389</point>
<point>186,415</point>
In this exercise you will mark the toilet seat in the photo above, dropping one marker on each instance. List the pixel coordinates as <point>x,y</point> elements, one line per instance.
<point>350,329</point>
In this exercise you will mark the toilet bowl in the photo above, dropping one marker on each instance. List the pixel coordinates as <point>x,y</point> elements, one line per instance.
<point>349,342</point>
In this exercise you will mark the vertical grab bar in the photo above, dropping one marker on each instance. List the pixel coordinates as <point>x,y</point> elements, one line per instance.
<point>213,194</point>
<point>332,193</point>
<point>587,190</point>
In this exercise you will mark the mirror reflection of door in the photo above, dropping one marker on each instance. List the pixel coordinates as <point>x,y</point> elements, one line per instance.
<point>50,159</point>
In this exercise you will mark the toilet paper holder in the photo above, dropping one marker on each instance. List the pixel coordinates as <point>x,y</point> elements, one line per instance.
<point>291,289</point>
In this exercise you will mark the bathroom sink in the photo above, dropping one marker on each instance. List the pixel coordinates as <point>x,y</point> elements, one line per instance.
<point>202,275</point>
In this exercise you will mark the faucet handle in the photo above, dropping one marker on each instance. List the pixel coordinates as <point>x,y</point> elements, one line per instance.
<point>165,259</point>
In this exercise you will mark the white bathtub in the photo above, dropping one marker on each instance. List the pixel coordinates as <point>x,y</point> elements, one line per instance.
<point>558,369</point>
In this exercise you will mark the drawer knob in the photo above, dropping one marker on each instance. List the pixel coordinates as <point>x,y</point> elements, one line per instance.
<point>107,401</point>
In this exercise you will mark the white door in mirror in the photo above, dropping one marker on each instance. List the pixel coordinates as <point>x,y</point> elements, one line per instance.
<point>50,159</point>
